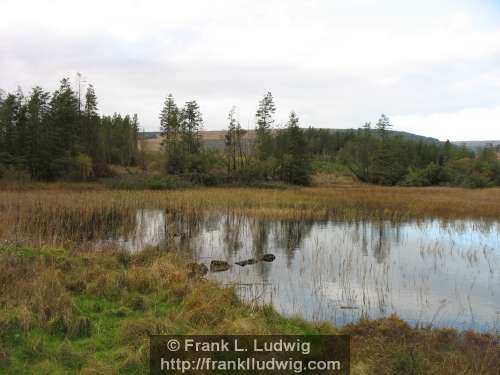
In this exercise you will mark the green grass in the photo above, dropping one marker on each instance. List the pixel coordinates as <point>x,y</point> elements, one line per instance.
<point>330,167</point>
<point>122,303</point>
<point>91,313</point>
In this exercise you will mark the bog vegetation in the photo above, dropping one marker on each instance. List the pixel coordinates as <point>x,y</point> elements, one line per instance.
<point>58,136</point>
<point>72,215</point>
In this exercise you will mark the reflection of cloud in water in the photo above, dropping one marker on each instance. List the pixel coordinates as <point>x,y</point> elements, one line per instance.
<point>427,272</point>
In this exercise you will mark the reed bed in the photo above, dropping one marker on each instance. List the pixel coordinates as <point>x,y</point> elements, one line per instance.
<point>68,213</point>
<point>293,203</point>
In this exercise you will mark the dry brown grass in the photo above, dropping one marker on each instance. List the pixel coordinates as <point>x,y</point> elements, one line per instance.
<point>391,346</point>
<point>154,144</point>
<point>321,202</point>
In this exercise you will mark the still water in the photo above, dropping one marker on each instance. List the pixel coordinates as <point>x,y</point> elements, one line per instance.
<point>430,272</point>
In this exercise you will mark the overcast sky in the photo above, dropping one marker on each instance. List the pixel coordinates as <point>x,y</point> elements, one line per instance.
<point>432,66</point>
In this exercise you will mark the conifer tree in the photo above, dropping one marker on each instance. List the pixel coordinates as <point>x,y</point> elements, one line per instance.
<point>296,166</point>
<point>191,126</point>
<point>265,121</point>
<point>231,142</point>
<point>37,137</point>
<point>170,128</point>
<point>383,125</point>
<point>64,125</point>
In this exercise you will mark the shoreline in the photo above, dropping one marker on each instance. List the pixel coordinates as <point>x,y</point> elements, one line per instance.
<point>79,312</point>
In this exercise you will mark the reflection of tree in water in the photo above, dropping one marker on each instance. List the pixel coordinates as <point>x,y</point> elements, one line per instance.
<point>231,227</point>
<point>359,235</point>
<point>260,236</point>
<point>381,239</point>
<point>364,239</point>
<point>289,236</point>
<point>259,230</point>
<point>182,229</point>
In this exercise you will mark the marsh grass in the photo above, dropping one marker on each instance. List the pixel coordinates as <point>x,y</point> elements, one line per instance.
<point>49,326</point>
<point>63,213</point>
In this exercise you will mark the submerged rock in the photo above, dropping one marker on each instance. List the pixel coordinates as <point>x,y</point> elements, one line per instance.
<point>246,262</point>
<point>268,257</point>
<point>219,266</point>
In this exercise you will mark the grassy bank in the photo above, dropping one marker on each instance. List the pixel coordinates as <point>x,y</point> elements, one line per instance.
<point>90,313</point>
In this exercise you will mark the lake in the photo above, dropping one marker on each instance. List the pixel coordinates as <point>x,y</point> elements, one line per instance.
<point>429,273</point>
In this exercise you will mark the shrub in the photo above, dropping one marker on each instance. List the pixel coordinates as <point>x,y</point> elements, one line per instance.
<point>145,182</point>
<point>415,178</point>
<point>12,174</point>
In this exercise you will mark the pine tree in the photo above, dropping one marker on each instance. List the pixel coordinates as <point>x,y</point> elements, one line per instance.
<point>64,134</point>
<point>265,121</point>
<point>8,118</point>
<point>191,126</point>
<point>134,140</point>
<point>170,128</point>
<point>230,143</point>
<point>239,135</point>
<point>296,166</point>
<point>90,123</point>
<point>169,120</point>
<point>38,136</point>
<point>383,126</point>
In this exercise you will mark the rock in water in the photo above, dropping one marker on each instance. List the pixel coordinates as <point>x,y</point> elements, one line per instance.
<point>268,257</point>
<point>244,263</point>
<point>219,266</point>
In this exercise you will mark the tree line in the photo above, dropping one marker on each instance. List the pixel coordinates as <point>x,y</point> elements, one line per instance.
<point>290,154</point>
<point>50,136</point>
<point>61,135</point>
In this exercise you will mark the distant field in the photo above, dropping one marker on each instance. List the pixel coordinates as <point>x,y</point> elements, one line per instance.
<point>212,139</point>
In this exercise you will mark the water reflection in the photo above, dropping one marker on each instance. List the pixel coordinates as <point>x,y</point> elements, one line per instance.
<point>429,273</point>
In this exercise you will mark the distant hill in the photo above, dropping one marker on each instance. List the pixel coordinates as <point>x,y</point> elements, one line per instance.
<point>215,138</point>
<point>474,145</point>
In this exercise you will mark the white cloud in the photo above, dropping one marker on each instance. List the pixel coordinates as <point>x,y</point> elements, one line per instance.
<point>479,124</point>
<point>337,63</point>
